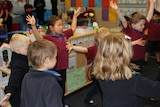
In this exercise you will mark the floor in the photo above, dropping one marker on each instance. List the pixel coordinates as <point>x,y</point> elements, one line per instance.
<point>150,71</point>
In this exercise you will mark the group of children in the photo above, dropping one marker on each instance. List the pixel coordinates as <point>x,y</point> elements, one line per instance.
<point>38,69</point>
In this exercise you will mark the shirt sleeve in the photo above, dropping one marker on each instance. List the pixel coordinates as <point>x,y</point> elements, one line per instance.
<point>145,87</point>
<point>68,33</point>
<point>90,55</point>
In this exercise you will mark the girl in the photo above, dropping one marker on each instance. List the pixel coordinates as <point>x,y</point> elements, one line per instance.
<point>59,37</point>
<point>120,85</point>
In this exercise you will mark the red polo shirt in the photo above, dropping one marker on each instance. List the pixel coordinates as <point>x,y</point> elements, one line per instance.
<point>62,53</point>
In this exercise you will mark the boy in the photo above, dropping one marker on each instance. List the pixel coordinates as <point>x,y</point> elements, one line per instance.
<point>135,30</point>
<point>40,87</point>
<point>19,67</point>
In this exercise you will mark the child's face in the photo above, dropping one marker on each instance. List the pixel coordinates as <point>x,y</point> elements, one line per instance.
<point>139,26</point>
<point>58,27</point>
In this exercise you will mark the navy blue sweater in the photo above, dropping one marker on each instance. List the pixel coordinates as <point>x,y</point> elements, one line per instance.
<point>128,93</point>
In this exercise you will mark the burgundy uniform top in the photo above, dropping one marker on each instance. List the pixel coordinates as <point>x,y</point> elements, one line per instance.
<point>134,34</point>
<point>154,30</point>
<point>62,53</point>
<point>91,53</point>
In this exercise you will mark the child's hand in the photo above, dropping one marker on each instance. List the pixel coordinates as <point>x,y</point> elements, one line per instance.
<point>69,47</point>
<point>140,42</point>
<point>77,12</point>
<point>113,5</point>
<point>6,98</point>
<point>152,1</point>
<point>31,20</point>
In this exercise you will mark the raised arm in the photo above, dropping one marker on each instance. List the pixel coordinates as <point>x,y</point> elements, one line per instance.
<point>74,19</point>
<point>31,20</point>
<point>114,6</point>
<point>151,9</point>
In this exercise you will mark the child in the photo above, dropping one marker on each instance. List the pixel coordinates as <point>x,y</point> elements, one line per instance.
<point>90,55</point>
<point>121,87</point>
<point>58,37</point>
<point>153,39</point>
<point>28,8</point>
<point>19,67</point>
<point>39,5</point>
<point>135,29</point>
<point>40,86</point>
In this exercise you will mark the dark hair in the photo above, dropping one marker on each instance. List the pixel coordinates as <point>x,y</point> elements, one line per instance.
<point>51,22</point>
<point>127,19</point>
<point>156,12</point>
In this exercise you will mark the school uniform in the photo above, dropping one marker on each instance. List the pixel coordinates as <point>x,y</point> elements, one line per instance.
<point>19,67</point>
<point>153,37</point>
<point>138,51</point>
<point>128,93</point>
<point>41,89</point>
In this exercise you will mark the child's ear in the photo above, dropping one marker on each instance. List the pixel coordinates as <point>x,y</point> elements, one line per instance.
<point>17,50</point>
<point>47,60</point>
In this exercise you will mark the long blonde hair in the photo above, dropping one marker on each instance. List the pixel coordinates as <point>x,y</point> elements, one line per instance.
<point>112,61</point>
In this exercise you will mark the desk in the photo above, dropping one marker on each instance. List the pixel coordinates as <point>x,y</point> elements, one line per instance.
<point>78,73</point>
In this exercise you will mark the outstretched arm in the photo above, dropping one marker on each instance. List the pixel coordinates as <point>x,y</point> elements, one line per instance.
<point>71,47</point>
<point>151,9</point>
<point>140,42</point>
<point>31,20</point>
<point>74,19</point>
<point>114,6</point>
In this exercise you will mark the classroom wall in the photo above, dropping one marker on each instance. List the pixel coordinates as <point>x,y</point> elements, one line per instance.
<point>98,17</point>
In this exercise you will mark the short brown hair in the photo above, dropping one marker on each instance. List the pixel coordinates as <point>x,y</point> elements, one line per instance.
<point>39,50</point>
<point>136,17</point>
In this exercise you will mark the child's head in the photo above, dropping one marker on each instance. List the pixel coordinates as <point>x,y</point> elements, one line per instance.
<point>156,15</point>
<point>113,58</point>
<point>42,54</point>
<point>55,25</point>
<point>100,34</point>
<point>27,1</point>
<point>137,21</point>
<point>19,43</point>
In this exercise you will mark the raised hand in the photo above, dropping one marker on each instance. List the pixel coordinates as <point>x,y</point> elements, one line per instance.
<point>113,5</point>
<point>30,20</point>
<point>152,1</point>
<point>77,12</point>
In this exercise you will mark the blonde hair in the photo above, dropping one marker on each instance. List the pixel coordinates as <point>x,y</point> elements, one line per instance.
<point>100,34</point>
<point>19,41</point>
<point>112,61</point>
<point>39,50</point>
